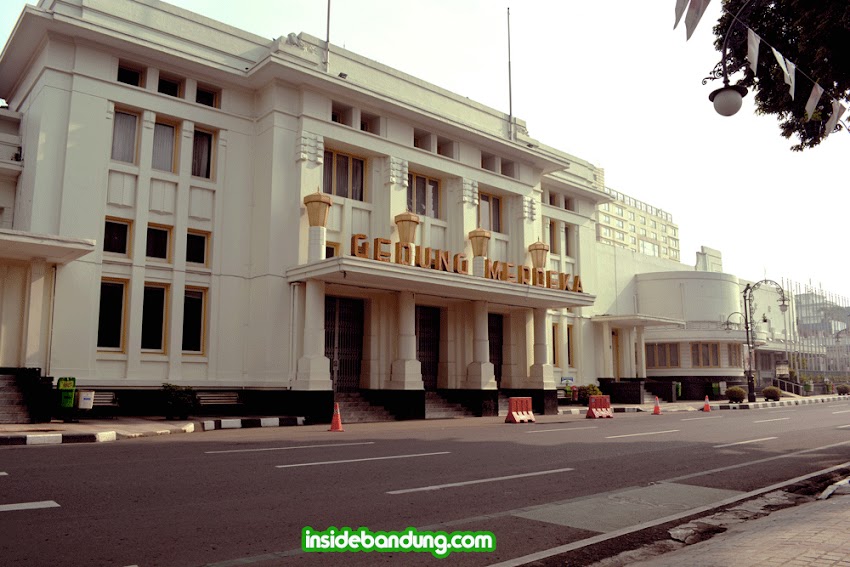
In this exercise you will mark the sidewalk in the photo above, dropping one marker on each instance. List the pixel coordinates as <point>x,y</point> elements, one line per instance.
<point>102,430</point>
<point>810,534</point>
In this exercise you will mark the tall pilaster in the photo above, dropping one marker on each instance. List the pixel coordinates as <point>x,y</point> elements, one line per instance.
<point>480,374</point>
<point>406,371</point>
<point>542,372</point>
<point>313,371</point>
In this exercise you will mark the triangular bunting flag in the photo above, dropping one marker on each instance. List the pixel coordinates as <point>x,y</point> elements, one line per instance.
<point>695,11</point>
<point>837,110</point>
<point>680,10</point>
<point>790,77</point>
<point>753,42</point>
<point>817,91</point>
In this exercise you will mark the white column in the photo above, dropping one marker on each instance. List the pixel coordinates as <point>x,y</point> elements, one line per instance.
<point>317,239</point>
<point>314,368</point>
<point>542,372</point>
<point>35,352</point>
<point>641,353</point>
<point>607,352</point>
<point>406,371</point>
<point>478,266</point>
<point>480,374</point>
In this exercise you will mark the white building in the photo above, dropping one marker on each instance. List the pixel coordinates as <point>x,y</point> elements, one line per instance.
<point>154,229</point>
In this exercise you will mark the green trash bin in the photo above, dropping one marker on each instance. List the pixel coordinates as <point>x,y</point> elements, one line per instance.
<point>67,387</point>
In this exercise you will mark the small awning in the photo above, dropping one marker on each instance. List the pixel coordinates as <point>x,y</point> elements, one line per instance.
<point>20,246</point>
<point>637,320</point>
<point>363,272</point>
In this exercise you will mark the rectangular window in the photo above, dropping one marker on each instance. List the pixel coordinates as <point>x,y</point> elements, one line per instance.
<point>662,355</point>
<point>110,322</point>
<point>163,147</point>
<point>116,236</point>
<point>735,359</point>
<point>207,97</point>
<point>705,355</point>
<point>423,195</point>
<point>556,341</point>
<point>153,317</point>
<point>124,137</point>
<point>129,76</point>
<point>158,242</point>
<point>490,212</point>
<point>170,87</point>
<point>196,247</point>
<point>344,175</point>
<point>331,249</point>
<point>553,237</point>
<point>566,240</point>
<point>202,154</point>
<point>194,316</point>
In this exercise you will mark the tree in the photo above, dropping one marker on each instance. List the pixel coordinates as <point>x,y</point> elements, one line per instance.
<point>813,35</point>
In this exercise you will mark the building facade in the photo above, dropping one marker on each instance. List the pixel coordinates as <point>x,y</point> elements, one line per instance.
<point>630,223</point>
<point>293,223</point>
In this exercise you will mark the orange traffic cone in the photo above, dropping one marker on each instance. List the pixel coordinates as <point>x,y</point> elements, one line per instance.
<point>707,406</point>
<point>336,422</point>
<point>657,409</point>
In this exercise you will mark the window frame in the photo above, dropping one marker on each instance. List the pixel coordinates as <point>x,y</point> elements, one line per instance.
<point>166,309</point>
<point>122,339</point>
<point>412,202</point>
<point>210,169</point>
<point>334,247</point>
<point>669,353</point>
<point>204,291</point>
<point>206,235</point>
<point>570,357</point>
<point>169,242</point>
<point>333,156</point>
<point>123,66</point>
<point>735,350</point>
<point>175,145</point>
<point>490,198</point>
<point>136,119</point>
<point>177,82</point>
<point>216,96</point>
<point>128,224</point>
<point>704,349</point>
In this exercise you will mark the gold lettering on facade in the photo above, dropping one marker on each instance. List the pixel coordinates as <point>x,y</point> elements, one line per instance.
<point>357,249</point>
<point>538,277</point>
<point>564,282</point>
<point>577,284</point>
<point>445,264</point>
<point>404,253</point>
<point>493,270</point>
<point>378,246</point>
<point>460,264</point>
<point>524,273</point>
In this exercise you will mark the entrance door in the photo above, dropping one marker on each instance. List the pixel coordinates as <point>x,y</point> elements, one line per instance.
<point>496,337</point>
<point>344,341</point>
<point>428,344</point>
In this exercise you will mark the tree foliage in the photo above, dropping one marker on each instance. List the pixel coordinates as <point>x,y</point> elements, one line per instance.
<point>813,35</point>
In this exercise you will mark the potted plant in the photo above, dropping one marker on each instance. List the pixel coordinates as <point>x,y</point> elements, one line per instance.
<point>180,401</point>
<point>771,394</point>
<point>736,394</point>
<point>807,386</point>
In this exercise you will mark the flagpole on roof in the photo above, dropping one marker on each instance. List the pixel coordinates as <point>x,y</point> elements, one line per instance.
<point>510,94</point>
<point>328,40</point>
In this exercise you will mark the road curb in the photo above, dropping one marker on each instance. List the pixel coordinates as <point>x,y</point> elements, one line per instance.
<point>250,422</point>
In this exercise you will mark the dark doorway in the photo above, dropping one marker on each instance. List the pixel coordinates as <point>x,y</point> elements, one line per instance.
<point>344,341</point>
<point>495,335</point>
<point>428,344</point>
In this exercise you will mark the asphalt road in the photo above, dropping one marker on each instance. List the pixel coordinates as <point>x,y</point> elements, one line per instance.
<point>242,497</point>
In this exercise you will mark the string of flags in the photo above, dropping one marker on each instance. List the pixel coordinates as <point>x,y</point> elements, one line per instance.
<point>693,11</point>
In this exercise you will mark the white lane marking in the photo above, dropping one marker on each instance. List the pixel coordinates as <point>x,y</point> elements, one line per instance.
<point>287,448</point>
<point>638,434</point>
<point>698,418</point>
<point>777,410</point>
<point>4,474</point>
<point>769,420</point>
<point>361,460</point>
<point>756,462</point>
<point>843,411</point>
<point>843,426</point>
<point>745,442</point>
<point>562,429</point>
<point>28,506</point>
<point>479,481</point>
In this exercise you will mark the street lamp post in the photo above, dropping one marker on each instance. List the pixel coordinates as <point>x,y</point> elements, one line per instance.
<point>748,320</point>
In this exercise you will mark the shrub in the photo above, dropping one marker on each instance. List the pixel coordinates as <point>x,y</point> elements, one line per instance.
<point>771,393</point>
<point>842,389</point>
<point>736,394</point>
<point>584,393</point>
<point>180,401</point>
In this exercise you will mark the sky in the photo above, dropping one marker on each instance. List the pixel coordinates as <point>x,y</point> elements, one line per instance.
<point>611,82</point>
